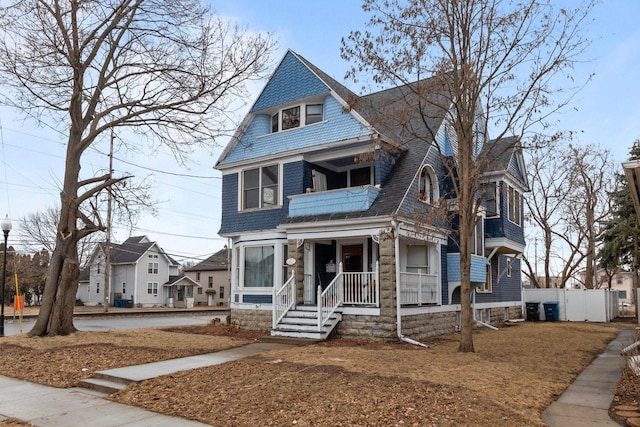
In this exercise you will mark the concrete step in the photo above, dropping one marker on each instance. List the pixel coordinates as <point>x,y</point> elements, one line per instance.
<point>101,385</point>
<point>311,335</point>
<point>112,378</point>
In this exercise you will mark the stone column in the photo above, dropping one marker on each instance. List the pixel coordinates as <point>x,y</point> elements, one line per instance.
<point>297,253</point>
<point>387,283</point>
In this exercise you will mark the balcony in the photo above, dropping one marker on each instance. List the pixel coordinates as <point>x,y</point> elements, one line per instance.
<point>352,199</point>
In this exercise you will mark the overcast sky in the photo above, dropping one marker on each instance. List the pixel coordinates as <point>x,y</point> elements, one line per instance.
<point>606,112</point>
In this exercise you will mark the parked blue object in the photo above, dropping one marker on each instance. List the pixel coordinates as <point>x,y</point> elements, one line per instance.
<point>551,311</point>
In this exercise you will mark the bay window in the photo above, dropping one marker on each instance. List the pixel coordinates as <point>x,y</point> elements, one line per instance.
<point>258,266</point>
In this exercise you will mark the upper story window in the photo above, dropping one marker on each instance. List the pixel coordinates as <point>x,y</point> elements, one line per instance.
<point>360,176</point>
<point>428,186</point>
<point>515,203</point>
<point>152,268</point>
<point>490,199</point>
<point>260,187</point>
<point>477,240</point>
<point>297,116</point>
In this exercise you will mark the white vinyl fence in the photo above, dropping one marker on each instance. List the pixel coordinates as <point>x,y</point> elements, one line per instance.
<point>575,305</point>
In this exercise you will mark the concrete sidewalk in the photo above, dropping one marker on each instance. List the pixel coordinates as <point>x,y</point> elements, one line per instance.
<point>586,401</point>
<point>54,407</point>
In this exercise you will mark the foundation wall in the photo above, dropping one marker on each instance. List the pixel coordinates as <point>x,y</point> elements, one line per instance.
<point>252,319</point>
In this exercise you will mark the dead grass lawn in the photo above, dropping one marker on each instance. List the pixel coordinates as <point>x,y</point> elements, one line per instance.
<point>515,373</point>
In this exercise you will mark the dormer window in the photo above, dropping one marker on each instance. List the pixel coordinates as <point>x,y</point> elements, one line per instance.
<point>297,116</point>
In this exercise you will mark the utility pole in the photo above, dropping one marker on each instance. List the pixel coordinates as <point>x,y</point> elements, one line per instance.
<point>107,250</point>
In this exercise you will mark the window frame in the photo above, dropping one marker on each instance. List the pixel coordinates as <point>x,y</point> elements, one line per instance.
<point>491,200</point>
<point>477,242</point>
<point>487,286</point>
<point>153,267</point>
<point>303,118</point>
<point>514,205</point>
<point>428,188</point>
<point>246,273</point>
<point>276,188</point>
<point>415,268</point>
<point>509,266</point>
<point>152,288</point>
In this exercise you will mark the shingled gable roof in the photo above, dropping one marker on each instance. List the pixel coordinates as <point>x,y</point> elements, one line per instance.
<point>387,111</point>
<point>499,153</point>
<point>131,250</point>
<point>216,262</point>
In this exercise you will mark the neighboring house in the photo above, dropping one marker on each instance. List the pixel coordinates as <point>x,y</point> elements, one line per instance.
<point>326,199</point>
<point>621,281</point>
<point>212,275</point>
<point>142,274</point>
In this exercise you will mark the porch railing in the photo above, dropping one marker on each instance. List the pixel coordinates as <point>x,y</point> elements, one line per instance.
<point>362,288</point>
<point>284,299</point>
<point>330,299</point>
<point>419,289</point>
<point>309,289</point>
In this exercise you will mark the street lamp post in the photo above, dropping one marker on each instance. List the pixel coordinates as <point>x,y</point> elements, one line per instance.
<point>6,228</point>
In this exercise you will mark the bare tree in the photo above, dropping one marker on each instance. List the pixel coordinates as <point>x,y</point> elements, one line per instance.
<point>165,70</point>
<point>506,66</point>
<point>37,231</point>
<point>568,201</point>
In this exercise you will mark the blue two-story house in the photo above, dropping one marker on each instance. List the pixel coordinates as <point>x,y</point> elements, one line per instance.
<point>330,201</point>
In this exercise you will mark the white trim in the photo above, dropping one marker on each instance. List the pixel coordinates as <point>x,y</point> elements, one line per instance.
<point>337,234</point>
<point>361,311</point>
<point>503,242</point>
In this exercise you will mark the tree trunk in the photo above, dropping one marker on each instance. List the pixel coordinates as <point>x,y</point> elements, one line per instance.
<point>466,311</point>
<point>56,313</point>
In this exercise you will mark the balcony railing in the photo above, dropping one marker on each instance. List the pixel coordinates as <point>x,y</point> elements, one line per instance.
<point>419,289</point>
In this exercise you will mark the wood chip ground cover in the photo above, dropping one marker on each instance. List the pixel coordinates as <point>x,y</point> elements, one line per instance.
<point>514,374</point>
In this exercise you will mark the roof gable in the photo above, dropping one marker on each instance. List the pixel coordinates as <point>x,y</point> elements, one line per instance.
<point>280,88</point>
<point>215,262</point>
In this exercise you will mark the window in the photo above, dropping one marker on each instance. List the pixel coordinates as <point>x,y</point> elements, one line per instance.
<point>152,288</point>
<point>260,187</point>
<point>428,185</point>
<point>221,292</point>
<point>124,287</point>
<point>360,176</point>
<point>199,291</point>
<point>477,240</point>
<point>514,205</point>
<point>97,288</point>
<point>258,266</point>
<point>197,276</point>
<point>313,114</point>
<point>509,264</point>
<point>211,281</point>
<point>290,118</point>
<point>490,201</point>
<point>622,294</point>
<point>487,285</point>
<point>98,268</point>
<point>153,268</point>
<point>153,256</point>
<point>418,259</point>
<point>619,280</point>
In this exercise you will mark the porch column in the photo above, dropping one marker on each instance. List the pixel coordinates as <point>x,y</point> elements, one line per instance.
<point>297,253</point>
<point>388,281</point>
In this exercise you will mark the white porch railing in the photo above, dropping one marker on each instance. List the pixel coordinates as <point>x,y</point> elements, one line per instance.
<point>284,299</point>
<point>418,288</point>
<point>309,289</point>
<point>362,288</point>
<point>329,299</point>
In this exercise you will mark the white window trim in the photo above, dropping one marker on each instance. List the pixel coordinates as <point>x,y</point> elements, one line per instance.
<point>303,116</point>
<point>153,287</point>
<point>241,187</point>
<point>518,221</point>
<point>509,266</point>
<point>279,258</point>
<point>435,190</point>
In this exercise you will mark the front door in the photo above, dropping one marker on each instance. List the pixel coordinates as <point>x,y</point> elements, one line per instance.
<point>352,258</point>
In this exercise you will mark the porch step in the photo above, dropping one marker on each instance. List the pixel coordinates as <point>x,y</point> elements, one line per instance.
<point>302,322</point>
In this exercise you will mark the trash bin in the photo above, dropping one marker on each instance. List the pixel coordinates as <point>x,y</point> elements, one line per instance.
<point>128,303</point>
<point>551,311</point>
<point>533,314</point>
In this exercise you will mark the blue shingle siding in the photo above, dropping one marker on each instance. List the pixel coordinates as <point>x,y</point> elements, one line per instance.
<point>478,268</point>
<point>509,288</point>
<point>444,273</point>
<point>257,142</point>
<point>345,200</point>
<point>292,80</point>
<point>383,165</point>
<point>256,299</point>
<point>514,168</point>
<point>293,181</point>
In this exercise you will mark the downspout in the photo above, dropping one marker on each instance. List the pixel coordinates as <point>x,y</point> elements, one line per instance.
<point>473,310</point>
<point>395,226</point>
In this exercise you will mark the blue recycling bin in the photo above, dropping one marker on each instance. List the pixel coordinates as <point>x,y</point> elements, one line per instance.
<point>551,311</point>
